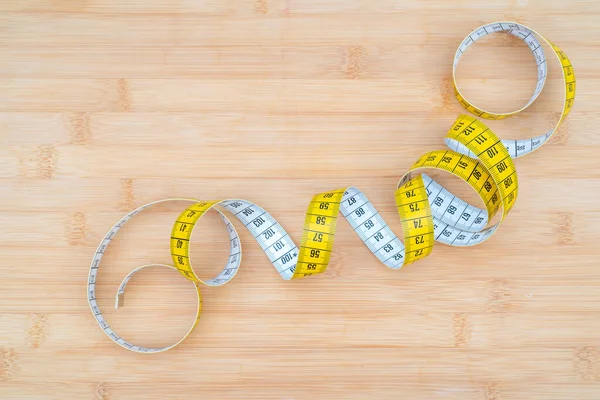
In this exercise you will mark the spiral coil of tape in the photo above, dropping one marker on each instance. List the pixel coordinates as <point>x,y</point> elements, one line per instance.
<point>428,212</point>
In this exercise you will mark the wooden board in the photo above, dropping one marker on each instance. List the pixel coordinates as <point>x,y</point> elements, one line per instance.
<point>109,104</point>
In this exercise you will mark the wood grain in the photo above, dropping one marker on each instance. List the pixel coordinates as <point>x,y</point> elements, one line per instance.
<point>109,104</point>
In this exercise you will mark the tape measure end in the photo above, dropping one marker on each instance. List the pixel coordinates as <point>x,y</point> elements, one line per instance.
<point>119,300</point>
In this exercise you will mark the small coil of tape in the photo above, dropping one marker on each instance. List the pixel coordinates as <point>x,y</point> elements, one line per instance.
<point>428,212</point>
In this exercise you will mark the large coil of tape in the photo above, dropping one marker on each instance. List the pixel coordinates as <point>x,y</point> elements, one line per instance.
<point>428,212</point>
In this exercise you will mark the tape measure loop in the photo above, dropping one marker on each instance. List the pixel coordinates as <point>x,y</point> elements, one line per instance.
<point>93,278</point>
<point>181,236</point>
<point>519,148</point>
<point>519,31</point>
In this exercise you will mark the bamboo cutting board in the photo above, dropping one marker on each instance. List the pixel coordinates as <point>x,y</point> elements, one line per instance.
<point>108,104</point>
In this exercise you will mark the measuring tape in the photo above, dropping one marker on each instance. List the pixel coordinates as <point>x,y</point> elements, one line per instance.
<point>428,212</point>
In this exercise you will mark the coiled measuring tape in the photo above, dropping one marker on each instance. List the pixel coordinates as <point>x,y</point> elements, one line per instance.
<point>428,212</point>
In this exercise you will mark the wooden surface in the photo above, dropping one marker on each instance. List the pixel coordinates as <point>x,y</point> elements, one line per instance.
<point>108,104</point>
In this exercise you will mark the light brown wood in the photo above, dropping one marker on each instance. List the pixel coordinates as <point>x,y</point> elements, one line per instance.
<point>109,104</point>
